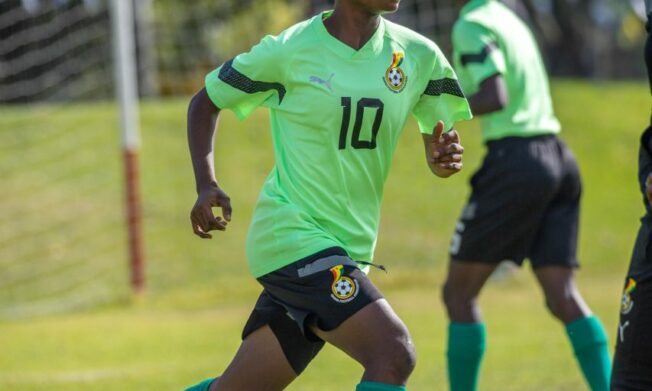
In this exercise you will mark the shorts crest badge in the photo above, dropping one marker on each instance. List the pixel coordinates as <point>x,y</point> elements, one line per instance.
<point>343,288</point>
<point>627,303</point>
<point>395,78</point>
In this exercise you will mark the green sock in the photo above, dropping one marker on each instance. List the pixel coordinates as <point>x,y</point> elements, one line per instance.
<point>590,345</point>
<point>373,386</point>
<point>203,386</point>
<point>466,345</point>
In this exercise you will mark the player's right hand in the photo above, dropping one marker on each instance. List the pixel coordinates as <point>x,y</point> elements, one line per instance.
<point>648,188</point>
<point>201,216</point>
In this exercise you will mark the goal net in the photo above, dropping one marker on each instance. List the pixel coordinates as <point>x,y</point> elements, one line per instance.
<point>61,201</point>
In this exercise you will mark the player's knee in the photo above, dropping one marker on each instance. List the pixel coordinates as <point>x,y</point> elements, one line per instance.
<point>408,358</point>
<point>456,302</point>
<point>563,308</point>
<point>553,307</point>
<point>400,359</point>
<point>396,360</point>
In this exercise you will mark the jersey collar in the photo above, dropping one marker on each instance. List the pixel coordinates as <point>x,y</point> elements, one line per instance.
<point>370,49</point>
<point>471,5</point>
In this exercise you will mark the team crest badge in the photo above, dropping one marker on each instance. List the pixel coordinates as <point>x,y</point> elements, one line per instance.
<point>343,288</point>
<point>627,303</point>
<point>395,78</point>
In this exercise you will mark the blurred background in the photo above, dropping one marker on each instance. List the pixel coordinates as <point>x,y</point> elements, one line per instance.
<point>72,313</point>
<point>58,48</point>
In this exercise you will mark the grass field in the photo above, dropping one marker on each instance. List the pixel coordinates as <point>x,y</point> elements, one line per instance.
<point>61,241</point>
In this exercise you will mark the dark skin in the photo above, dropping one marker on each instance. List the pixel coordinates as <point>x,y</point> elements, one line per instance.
<point>465,279</point>
<point>385,350</point>
<point>203,117</point>
<point>491,97</point>
<point>354,22</point>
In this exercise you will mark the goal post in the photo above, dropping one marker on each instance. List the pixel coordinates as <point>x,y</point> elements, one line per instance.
<point>127,96</point>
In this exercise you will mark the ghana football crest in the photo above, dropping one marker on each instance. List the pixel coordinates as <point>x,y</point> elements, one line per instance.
<point>343,288</point>
<point>627,303</point>
<point>395,79</point>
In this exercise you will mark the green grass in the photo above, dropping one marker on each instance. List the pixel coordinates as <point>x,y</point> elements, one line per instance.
<point>62,248</point>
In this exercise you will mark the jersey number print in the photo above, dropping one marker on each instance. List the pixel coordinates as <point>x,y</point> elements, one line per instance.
<point>357,127</point>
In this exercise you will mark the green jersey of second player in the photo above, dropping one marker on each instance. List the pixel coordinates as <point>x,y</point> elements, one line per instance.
<point>489,39</point>
<point>336,116</point>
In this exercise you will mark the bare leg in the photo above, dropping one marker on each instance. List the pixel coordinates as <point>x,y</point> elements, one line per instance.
<point>259,365</point>
<point>377,339</point>
<point>466,332</point>
<point>585,332</point>
<point>562,297</point>
<point>462,287</point>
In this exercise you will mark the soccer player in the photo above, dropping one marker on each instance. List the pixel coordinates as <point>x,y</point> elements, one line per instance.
<point>340,88</point>
<point>525,198</point>
<point>632,370</point>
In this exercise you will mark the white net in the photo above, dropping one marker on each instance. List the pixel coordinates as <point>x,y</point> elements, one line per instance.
<point>62,244</point>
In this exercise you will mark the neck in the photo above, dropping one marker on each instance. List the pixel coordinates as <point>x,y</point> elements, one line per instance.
<point>352,24</point>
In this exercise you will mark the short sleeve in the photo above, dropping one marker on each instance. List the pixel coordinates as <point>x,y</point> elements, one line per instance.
<point>442,98</point>
<point>250,79</point>
<point>476,50</point>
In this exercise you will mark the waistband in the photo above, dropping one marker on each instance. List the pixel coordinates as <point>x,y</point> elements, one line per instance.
<point>514,140</point>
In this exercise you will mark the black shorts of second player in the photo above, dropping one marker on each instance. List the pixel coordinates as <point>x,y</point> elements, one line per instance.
<point>321,290</point>
<point>524,203</point>
<point>632,367</point>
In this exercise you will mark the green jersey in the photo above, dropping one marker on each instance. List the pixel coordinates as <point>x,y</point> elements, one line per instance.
<point>336,116</point>
<point>489,39</point>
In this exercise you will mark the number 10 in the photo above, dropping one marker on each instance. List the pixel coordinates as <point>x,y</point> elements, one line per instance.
<point>346,119</point>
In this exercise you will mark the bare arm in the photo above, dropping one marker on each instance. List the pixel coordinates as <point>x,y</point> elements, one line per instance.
<point>443,151</point>
<point>202,120</point>
<point>491,97</point>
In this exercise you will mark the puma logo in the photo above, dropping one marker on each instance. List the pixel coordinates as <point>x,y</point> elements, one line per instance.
<point>621,331</point>
<point>325,83</point>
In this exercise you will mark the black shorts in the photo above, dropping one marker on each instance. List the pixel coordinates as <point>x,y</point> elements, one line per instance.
<point>322,290</point>
<point>632,370</point>
<point>524,203</point>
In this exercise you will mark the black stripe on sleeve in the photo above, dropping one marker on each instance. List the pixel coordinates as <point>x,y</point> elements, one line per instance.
<point>235,79</point>
<point>444,86</point>
<point>479,57</point>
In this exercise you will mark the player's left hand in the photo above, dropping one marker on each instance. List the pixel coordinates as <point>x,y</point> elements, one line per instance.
<point>648,188</point>
<point>445,152</point>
